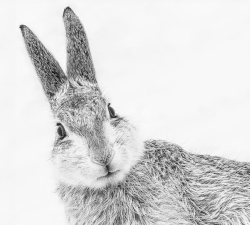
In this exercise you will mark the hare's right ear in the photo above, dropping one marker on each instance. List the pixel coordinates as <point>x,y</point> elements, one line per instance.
<point>47,68</point>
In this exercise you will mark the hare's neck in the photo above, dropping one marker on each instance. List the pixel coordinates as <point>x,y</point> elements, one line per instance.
<point>139,198</point>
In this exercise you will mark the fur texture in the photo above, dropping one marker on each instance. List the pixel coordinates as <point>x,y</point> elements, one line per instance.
<point>167,186</point>
<point>107,175</point>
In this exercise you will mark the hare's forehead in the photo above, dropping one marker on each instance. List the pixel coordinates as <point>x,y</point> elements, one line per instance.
<point>82,111</point>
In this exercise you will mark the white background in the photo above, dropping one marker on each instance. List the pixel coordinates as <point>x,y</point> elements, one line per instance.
<point>179,71</point>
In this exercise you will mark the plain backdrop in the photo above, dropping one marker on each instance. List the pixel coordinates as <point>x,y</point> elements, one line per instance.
<point>178,70</point>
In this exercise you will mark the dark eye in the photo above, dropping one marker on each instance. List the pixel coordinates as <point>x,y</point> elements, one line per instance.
<point>61,131</point>
<point>111,111</point>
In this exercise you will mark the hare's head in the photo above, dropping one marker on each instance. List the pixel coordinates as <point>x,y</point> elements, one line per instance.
<point>94,146</point>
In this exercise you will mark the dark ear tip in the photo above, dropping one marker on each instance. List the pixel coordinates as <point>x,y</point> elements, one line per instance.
<point>23,28</point>
<point>67,10</point>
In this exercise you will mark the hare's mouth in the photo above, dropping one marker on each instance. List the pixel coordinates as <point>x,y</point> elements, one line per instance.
<point>108,175</point>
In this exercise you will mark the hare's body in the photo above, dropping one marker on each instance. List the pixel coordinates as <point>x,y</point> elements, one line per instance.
<point>106,176</point>
<point>167,186</point>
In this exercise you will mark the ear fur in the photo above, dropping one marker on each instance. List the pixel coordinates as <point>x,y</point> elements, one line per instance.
<point>47,68</point>
<point>79,61</point>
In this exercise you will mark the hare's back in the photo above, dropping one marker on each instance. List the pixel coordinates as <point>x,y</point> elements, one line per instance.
<point>167,155</point>
<point>213,188</point>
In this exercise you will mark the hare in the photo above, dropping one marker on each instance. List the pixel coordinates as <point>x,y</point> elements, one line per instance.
<point>107,175</point>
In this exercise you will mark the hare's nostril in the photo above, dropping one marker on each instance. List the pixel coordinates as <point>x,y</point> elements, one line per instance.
<point>98,162</point>
<point>110,158</point>
<point>108,167</point>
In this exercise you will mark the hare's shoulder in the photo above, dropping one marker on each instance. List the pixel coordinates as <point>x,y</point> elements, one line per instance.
<point>159,151</point>
<point>165,159</point>
<point>169,157</point>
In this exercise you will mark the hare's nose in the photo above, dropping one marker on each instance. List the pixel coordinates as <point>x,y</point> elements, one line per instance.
<point>109,159</point>
<point>104,161</point>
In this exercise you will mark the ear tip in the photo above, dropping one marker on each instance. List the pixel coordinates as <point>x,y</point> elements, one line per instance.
<point>23,28</point>
<point>67,10</point>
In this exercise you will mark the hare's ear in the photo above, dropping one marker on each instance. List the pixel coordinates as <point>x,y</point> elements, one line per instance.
<point>47,68</point>
<point>79,62</point>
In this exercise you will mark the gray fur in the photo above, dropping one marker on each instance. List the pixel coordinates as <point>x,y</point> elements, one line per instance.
<point>154,182</point>
<point>79,62</point>
<point>47,68</point>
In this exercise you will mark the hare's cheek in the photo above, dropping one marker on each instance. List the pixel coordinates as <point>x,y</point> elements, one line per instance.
<point>135,148</point>
<point>120,159</point>
<point>111,132</point>
<point>72,171</point>
<point>130,149</point>
<point>79,145</point>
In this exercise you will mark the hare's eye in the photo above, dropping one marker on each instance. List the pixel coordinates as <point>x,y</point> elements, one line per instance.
<point>61,131</point>
<point>111,111</point>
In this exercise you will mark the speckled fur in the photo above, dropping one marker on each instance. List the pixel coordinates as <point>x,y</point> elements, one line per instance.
<point>155,182</point>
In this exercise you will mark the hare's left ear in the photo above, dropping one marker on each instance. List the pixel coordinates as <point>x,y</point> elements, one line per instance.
<point>79,61</point>
<point>47,68</point>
